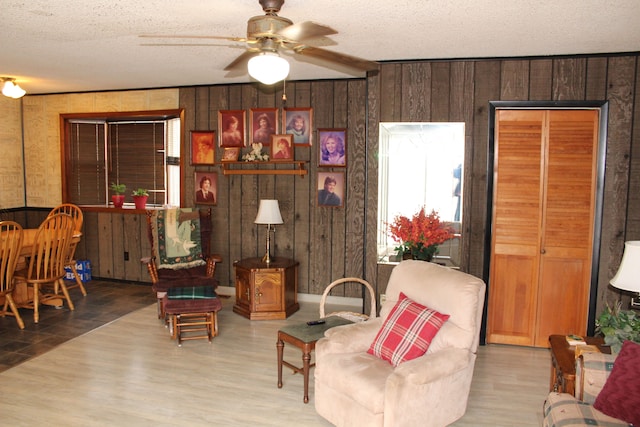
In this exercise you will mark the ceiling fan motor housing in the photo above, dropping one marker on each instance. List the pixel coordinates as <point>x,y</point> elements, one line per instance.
<point>266,26</point>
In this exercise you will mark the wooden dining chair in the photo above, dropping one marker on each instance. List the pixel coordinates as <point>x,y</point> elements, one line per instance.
<point>76,214</point>
<point>10,244</point>
<point>46,263</point>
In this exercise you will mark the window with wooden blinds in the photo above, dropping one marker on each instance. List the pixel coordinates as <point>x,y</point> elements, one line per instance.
<point>126,150</point>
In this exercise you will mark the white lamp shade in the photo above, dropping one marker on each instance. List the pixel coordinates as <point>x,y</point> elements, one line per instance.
<point>12,90</point>
<point>269,213</point>
<point>628,276</point>
<point>268,68</point>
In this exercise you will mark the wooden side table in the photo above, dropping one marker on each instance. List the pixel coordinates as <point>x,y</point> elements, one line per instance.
<point>563,362</point>
<point>303,337</point>
<point>264,291</point>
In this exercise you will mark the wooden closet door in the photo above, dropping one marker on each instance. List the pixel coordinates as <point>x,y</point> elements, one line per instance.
<point>516,226</point>
<point>567,225</point>
<point>542,224</point>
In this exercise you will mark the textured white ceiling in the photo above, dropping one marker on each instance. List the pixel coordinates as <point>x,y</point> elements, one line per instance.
<point>54,46</point>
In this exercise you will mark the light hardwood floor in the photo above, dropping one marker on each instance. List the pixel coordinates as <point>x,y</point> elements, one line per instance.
<point>129,372</point>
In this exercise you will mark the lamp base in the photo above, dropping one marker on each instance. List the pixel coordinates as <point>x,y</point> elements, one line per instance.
<point>267,258</point>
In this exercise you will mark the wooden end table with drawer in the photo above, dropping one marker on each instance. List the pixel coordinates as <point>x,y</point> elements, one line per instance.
<point>563,362</point>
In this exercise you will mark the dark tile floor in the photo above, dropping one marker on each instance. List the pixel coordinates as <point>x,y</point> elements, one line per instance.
<point>105,301</point>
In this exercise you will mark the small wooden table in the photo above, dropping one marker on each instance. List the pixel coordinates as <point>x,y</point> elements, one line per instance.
<point>266,291</point>
<point>304,337</point>
<point>563,362</point>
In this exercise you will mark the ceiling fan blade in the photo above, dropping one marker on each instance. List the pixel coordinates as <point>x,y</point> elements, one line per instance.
<point>341,59</point>
<point>187,44</point>
<point>305,30</point>
<point>173,36</point>
<point>239,65</point>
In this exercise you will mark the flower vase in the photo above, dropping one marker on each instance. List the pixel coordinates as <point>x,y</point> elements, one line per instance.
<point>140,201</point>
<point>419,255</point>
<point>118,200</point>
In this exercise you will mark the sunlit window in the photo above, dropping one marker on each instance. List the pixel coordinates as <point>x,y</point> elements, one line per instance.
<point>420,164</point>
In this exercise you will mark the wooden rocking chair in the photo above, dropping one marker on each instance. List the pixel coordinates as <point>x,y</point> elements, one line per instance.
<point>191,264</point>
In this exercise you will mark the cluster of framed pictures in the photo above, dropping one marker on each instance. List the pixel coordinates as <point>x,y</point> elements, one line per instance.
<point>279,137</point>
<point>264,123</point>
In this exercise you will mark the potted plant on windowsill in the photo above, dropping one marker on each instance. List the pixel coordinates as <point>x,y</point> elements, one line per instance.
<point>140,197</point>
<point>118,197</point>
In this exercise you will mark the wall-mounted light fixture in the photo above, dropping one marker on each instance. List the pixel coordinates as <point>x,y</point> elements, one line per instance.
<point>11,89</point>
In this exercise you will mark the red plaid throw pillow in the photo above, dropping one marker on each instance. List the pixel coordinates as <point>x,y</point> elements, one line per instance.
<point>407,332</point>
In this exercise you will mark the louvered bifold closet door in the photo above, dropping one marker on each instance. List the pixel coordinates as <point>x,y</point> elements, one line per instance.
<point>568,224</point>
<point>542,224</point>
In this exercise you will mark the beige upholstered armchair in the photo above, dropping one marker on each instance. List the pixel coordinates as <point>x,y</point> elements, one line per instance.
<point>356,388</point>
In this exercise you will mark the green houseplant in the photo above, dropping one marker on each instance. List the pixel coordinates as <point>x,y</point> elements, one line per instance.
<point>118,197</point>
<point>618,325</point>
<point>140,196</point>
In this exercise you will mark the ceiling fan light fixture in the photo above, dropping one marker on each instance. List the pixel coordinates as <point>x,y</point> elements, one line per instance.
<point>11,89</point>
<point>268,68</point>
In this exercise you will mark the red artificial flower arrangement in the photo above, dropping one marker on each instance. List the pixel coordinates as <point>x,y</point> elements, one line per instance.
<point>421,234</point>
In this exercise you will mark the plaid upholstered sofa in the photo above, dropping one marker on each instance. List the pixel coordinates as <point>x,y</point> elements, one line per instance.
<point>563,409</point>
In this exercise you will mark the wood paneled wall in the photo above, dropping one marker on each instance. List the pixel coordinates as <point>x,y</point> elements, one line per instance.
<point>335,242</point>
<point>461,91</point>
<point>328,242</point>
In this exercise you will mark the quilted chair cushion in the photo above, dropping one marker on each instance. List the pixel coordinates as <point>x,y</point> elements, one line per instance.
<point>592,371</point>
<point>620,396</point>
<point>195,305</point>
<point>407,331</point>
<point>564,410</point>
<point>197,276</point>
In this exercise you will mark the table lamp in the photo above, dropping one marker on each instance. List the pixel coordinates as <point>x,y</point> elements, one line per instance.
<point>269,214</point>
<point>628,276</point>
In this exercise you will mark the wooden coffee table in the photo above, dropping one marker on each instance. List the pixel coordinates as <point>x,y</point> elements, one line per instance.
<point>303,337</point>
<point>563,362</point>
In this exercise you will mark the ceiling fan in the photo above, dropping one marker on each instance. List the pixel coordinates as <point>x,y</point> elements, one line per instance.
<point>269,35</point>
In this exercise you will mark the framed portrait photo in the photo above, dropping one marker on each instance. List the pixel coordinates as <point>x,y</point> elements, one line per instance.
<point>299,123</point>
<point>331,189</point>
<point>203,147</point>
<point>231,154</point>
<point>281,147</point>
<point>263,122</point>
<point>231,128</point>
<point>206,185</point>
<point>332,147</point>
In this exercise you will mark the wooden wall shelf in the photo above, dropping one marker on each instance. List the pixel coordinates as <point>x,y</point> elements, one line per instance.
<point>255,169</point>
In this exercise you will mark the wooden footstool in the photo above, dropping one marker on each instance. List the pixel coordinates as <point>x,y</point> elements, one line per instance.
<point>190,310</point>
<point>304,337</point>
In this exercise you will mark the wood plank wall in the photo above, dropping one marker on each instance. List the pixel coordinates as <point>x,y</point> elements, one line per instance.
<point>328,242</point>
<point>335,242</point>
<point>461,91</point>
